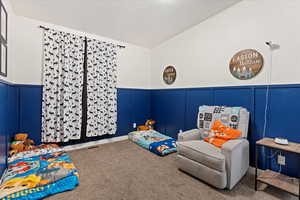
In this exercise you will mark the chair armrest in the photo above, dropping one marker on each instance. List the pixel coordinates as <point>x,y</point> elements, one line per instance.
<point>231,145</point>
<point>236,153</point>
<point>193,134</point>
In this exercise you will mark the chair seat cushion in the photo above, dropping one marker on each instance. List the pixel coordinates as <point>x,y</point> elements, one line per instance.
<point>202,152</point>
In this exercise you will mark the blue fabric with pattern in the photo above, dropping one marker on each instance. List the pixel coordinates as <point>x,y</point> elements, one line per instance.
<point>38,177</point>
<point>154,141</point>
<point>163,147</point>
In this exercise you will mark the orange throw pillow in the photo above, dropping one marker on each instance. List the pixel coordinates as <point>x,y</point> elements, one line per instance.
<point>222,134</point>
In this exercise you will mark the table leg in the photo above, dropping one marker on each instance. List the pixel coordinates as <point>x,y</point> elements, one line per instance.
<point>256,159</point>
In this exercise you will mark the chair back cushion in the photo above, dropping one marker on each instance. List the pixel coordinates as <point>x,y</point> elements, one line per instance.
<point>235,117</point>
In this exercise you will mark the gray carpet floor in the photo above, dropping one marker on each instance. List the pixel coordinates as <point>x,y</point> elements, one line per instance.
<point>125,171</point>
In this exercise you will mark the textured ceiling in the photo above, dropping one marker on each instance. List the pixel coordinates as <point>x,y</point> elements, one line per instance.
<point>145,23</point>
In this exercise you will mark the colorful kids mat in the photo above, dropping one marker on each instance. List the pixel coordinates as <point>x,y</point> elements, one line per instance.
<point>38,176</point>
<point>154,141</point>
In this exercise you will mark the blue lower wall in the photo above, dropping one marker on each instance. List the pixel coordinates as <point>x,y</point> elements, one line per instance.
<point>30,109</point>
<point>176,109</point>
<point>9,121</point>
<point>133,106</point>
<point>24,103</point>
<point>173,109</point>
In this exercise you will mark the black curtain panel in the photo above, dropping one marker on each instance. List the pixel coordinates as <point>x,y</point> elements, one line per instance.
<point>84,96</point>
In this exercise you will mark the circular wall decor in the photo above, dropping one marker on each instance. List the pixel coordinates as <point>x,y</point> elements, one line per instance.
<point>169,75</point>
<point>246,64</point>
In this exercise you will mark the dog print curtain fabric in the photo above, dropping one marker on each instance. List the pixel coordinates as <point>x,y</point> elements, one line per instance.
<point>63,83</point>
<point>101,88</point>
<point>63,80</point>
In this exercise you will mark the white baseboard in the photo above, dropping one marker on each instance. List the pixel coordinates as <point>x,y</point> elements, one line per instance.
<point>94,143</point>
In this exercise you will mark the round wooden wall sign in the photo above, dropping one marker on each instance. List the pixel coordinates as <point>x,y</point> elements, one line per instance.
<point>246,64</point>
<point>169,75</point>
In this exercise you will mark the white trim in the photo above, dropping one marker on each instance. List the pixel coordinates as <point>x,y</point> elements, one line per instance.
<point>94,143</point>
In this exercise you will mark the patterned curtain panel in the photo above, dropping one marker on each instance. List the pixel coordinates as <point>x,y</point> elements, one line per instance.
<point>101,88</point>
<point>63,82</point>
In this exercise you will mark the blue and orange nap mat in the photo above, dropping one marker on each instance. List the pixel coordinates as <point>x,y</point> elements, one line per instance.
<point>38,176</point>
<point>154,141</point>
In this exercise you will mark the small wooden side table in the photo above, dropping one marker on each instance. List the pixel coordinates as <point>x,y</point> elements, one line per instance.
<point>276,179</point>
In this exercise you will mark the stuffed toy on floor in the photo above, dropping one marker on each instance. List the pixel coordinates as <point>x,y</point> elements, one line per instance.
<point>21,143</point>
<point>149,125</point>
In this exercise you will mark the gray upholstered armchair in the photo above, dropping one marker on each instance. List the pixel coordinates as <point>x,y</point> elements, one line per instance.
<point>220,167</point>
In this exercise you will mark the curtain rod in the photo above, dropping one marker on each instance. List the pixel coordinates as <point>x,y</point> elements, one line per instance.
<point>45,28</point>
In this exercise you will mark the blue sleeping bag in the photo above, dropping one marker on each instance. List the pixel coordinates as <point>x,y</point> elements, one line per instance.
<point>154,141</point>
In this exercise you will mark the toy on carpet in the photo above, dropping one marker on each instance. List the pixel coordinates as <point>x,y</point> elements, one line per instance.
<point>21,143</point>
<point>149,125</point>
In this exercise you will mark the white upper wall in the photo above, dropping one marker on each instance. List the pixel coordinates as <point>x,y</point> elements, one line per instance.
<point>133,67</point>
<point>201,54</point>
